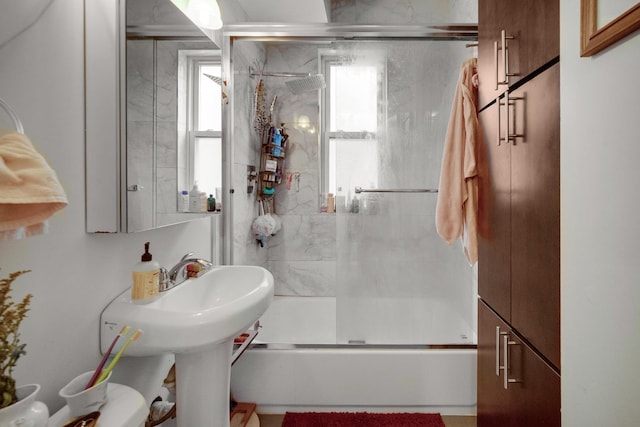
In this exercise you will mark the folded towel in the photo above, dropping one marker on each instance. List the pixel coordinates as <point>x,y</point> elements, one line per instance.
<point>29,189</point>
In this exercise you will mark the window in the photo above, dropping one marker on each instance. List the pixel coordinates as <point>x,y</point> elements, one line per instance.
<point>202,103</point>
<point>206,136</point>
<point>352,115</point>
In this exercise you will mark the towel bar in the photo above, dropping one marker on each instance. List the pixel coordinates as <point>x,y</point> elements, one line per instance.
<point>396,190</point>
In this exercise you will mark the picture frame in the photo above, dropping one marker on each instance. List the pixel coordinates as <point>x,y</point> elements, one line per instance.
<point>594,39</point>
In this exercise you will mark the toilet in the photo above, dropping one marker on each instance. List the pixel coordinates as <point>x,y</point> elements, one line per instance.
<point>125,407</point>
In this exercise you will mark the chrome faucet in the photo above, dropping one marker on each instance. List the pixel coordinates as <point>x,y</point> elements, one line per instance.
<point>177,274</point>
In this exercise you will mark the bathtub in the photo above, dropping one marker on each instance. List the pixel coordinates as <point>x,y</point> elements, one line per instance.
<point>295,365</point>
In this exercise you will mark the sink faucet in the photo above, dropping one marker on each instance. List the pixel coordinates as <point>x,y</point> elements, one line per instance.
<point>176,275</point>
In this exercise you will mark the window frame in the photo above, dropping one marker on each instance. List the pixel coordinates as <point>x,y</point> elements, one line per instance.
<point>194,62</point>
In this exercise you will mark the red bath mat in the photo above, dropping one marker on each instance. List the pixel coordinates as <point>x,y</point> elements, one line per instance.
<point>360,419</point>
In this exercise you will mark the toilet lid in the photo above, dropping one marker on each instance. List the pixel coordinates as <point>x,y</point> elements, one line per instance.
<point>125,407</point>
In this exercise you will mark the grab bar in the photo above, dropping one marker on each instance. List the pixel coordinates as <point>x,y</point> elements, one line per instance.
<point>396,190</point>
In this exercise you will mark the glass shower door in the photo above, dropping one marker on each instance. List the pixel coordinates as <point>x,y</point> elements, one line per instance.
<point>397,281</point>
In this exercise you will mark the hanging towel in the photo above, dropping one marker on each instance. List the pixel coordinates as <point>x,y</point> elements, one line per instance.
<point>29,189</point>
<point>457,205</point>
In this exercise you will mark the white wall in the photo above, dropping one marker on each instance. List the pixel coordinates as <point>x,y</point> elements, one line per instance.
<point>74,274</point>
<point>600,229</point>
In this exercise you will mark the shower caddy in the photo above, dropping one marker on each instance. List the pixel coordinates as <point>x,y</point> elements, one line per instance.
<point>272,154</point>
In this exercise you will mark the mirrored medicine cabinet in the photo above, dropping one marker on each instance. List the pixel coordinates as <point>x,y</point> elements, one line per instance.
<point>152,88</point>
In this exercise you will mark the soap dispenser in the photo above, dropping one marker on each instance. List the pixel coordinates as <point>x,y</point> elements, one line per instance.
<point>146,278</point>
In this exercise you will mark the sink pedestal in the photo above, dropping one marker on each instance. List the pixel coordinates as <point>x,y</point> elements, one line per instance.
<point>202,386</point>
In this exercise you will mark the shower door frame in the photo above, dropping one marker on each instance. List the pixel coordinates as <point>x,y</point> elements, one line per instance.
<point>274,32</point>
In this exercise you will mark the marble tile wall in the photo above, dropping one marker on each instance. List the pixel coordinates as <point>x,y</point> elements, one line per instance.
<point>154,12</point>
<point>404,11</point>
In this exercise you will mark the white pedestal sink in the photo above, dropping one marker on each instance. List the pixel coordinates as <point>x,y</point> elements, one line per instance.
<point>197,321</point>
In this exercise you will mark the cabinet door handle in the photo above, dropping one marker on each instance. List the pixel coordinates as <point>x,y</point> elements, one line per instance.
<point>504,47</point>
<point>498,137</point>
<point>495,60</point>
<point>508,102</point>
<point>506,138</point>
<point>505,348</point>
<point>498,351</point>
<point>498,335</point>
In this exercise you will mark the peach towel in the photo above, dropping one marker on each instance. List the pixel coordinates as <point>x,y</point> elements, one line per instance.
<point>457,205</point>
<point>29,189</point>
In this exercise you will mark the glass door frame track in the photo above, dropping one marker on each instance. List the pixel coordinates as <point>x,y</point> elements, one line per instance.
<point>287,346</point>
<point>272,32</point>
<point>277,32</point>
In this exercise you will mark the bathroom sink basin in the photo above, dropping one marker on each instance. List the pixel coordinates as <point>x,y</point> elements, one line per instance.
<point>199,312</point>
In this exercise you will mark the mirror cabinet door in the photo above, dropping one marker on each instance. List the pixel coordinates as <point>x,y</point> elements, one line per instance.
<point>137,100</point>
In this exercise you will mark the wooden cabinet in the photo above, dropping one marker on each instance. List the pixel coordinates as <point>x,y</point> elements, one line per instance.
<point>531,40</point>
<point>519,214</point>
<point>519,245</point>
<point>530,394</point>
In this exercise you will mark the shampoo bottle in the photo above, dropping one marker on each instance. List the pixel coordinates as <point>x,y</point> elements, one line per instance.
<point>184,201</point>
<point>211,203</point>
<point>203,201</point>
<point>194,199</point>
<point>146,279</point>
<point>277,141</point>
<point>331,203</point>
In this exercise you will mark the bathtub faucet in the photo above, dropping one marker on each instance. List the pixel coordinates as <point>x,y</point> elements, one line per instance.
<point>178,273</point>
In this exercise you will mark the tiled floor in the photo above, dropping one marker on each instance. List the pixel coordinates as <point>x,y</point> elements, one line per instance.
<point>276,421</point>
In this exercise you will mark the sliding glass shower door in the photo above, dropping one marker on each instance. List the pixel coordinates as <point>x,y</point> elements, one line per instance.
<point>387,105</point>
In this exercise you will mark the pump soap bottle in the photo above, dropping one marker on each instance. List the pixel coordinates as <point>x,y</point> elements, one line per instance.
<point>146,279</point>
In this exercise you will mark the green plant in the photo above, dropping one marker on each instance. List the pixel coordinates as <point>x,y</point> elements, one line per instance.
<point>11,315</point>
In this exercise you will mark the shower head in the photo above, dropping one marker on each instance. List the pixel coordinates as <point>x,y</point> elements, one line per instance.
<point>305,84</point>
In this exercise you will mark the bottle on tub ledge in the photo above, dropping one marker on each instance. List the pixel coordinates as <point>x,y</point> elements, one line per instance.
<point>218,197</point>
<point>184,201</point>
<point>323,203</point>
<point>211,203</point>
<point>203,201</point>
<point>331,203</point>
<point>194,198</point>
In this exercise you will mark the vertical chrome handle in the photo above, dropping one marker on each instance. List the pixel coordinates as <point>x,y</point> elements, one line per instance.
<point>498,137</point>
<point>503,42</point>
<point>505,348</point>
<point>507,120</point>
<point>505,357</point>
<point>498,335</point>
<point>508,134</point>
<point>505,58</point>
<point>495,60</point>
<point>510,127</point>
<point>497,351</point>
<point>505,103</point>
